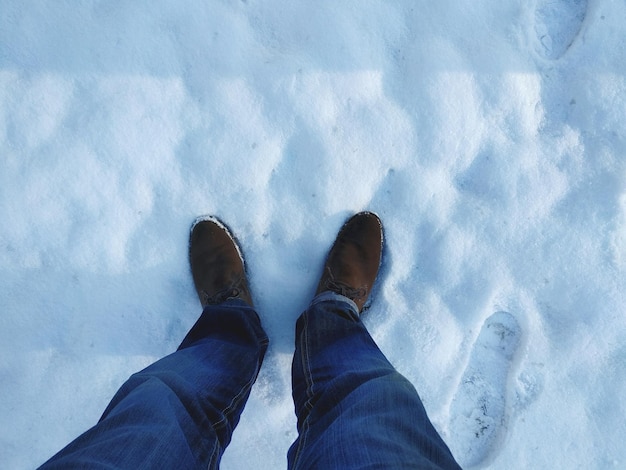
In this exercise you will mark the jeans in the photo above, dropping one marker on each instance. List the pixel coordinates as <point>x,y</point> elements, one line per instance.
<point>354,409</point>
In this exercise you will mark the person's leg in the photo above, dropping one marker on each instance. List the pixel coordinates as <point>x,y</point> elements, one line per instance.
<point>354,409</point>
<point>180,412</point>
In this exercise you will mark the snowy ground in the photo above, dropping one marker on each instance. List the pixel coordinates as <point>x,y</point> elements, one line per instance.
<point>489,137</point>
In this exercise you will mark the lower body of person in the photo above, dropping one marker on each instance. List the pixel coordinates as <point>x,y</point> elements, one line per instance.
<point>354,409</point>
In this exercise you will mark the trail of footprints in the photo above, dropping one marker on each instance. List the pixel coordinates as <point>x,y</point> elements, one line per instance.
<point>477,412</point>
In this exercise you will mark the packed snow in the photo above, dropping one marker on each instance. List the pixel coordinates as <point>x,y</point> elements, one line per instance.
<point>490,137</point>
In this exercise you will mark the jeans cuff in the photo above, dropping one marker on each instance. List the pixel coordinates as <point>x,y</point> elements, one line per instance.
<point>330,295</point>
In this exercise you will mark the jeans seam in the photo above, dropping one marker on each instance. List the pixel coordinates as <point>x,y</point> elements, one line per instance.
<point>227,412</point>
<point>307,362</point>
<point>308,376</point>
<point>262,341</point>
<point>214,456</point>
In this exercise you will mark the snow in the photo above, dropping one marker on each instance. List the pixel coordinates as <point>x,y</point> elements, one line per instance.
<point>488,136</point>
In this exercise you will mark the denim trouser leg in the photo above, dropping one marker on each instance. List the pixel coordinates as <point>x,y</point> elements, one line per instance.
<point>354,409</point>
<point>179,412</point>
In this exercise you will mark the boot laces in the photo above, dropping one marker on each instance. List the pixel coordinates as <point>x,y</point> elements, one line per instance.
<point>344,289</point>
<point>230,292</point>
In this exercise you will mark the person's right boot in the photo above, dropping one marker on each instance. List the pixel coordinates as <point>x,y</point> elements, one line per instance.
<point>216,264</point>
<point>353,261</point>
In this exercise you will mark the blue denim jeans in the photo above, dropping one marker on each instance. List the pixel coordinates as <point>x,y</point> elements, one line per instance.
<point>354,409</point>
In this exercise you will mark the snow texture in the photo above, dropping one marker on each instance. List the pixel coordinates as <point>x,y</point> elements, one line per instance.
<point>488,136</point>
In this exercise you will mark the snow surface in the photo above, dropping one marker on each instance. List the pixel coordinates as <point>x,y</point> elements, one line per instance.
<point>489,137</point>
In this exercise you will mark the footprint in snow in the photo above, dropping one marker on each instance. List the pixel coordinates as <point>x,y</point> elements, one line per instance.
<point>557,23</point>
<point>477,410</point>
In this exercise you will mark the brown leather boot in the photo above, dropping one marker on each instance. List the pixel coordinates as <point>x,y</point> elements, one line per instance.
<point>216,264</point>
<point>354,259</point>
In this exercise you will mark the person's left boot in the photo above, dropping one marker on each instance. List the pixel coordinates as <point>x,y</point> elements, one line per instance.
<point>352,264</point>
<point>216,264</point>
